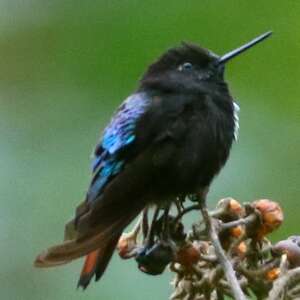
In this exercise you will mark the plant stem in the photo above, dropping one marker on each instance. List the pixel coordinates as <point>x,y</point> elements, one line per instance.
<point>225,263</point>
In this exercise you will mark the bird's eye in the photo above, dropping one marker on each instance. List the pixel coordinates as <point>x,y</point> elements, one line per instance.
<point>185,67</point>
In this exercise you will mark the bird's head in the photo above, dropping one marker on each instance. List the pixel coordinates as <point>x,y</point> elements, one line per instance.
<point>190,68</point>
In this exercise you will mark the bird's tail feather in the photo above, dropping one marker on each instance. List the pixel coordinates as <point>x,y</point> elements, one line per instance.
<point>69,250</point>
<point>103,236</point>
<point>96,263</point>
<point>98,224</point>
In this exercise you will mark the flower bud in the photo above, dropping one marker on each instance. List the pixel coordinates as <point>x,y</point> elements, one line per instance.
<point>237,231</point>
<point>231,207</point>
<point>187,255</point>
<point>273,274</point>
<point>271,216</point>
<point>290,247</point>
<point>127,245</point>
<point>235,207</point>
<point>241,249</point>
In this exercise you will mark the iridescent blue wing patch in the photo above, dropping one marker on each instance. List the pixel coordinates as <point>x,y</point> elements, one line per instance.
<point>119,134</point>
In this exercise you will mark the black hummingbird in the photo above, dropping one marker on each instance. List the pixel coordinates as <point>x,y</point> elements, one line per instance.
<point>169,138</point>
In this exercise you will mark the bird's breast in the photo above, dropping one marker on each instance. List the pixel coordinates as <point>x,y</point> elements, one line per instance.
<point>192,160</point>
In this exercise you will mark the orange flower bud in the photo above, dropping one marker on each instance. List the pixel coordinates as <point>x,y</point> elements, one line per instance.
<point>126,245</point>
<point>235,207</point>
<point>241,249</point>
<point>271,215</point>
<point>187,255</point>
<point>237,231</point>
<point>231,207</point>
<point>273,274</point>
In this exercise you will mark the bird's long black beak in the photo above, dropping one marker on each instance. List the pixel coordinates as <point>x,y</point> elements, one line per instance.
<point>226,57</point>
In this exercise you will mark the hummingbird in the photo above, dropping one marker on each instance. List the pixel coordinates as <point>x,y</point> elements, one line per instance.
<point>170,138</point>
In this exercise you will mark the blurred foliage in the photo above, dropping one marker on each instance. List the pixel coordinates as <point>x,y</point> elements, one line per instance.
<point>66,65</point>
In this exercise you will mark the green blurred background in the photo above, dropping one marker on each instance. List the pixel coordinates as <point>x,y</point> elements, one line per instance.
<point>66,65</point>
